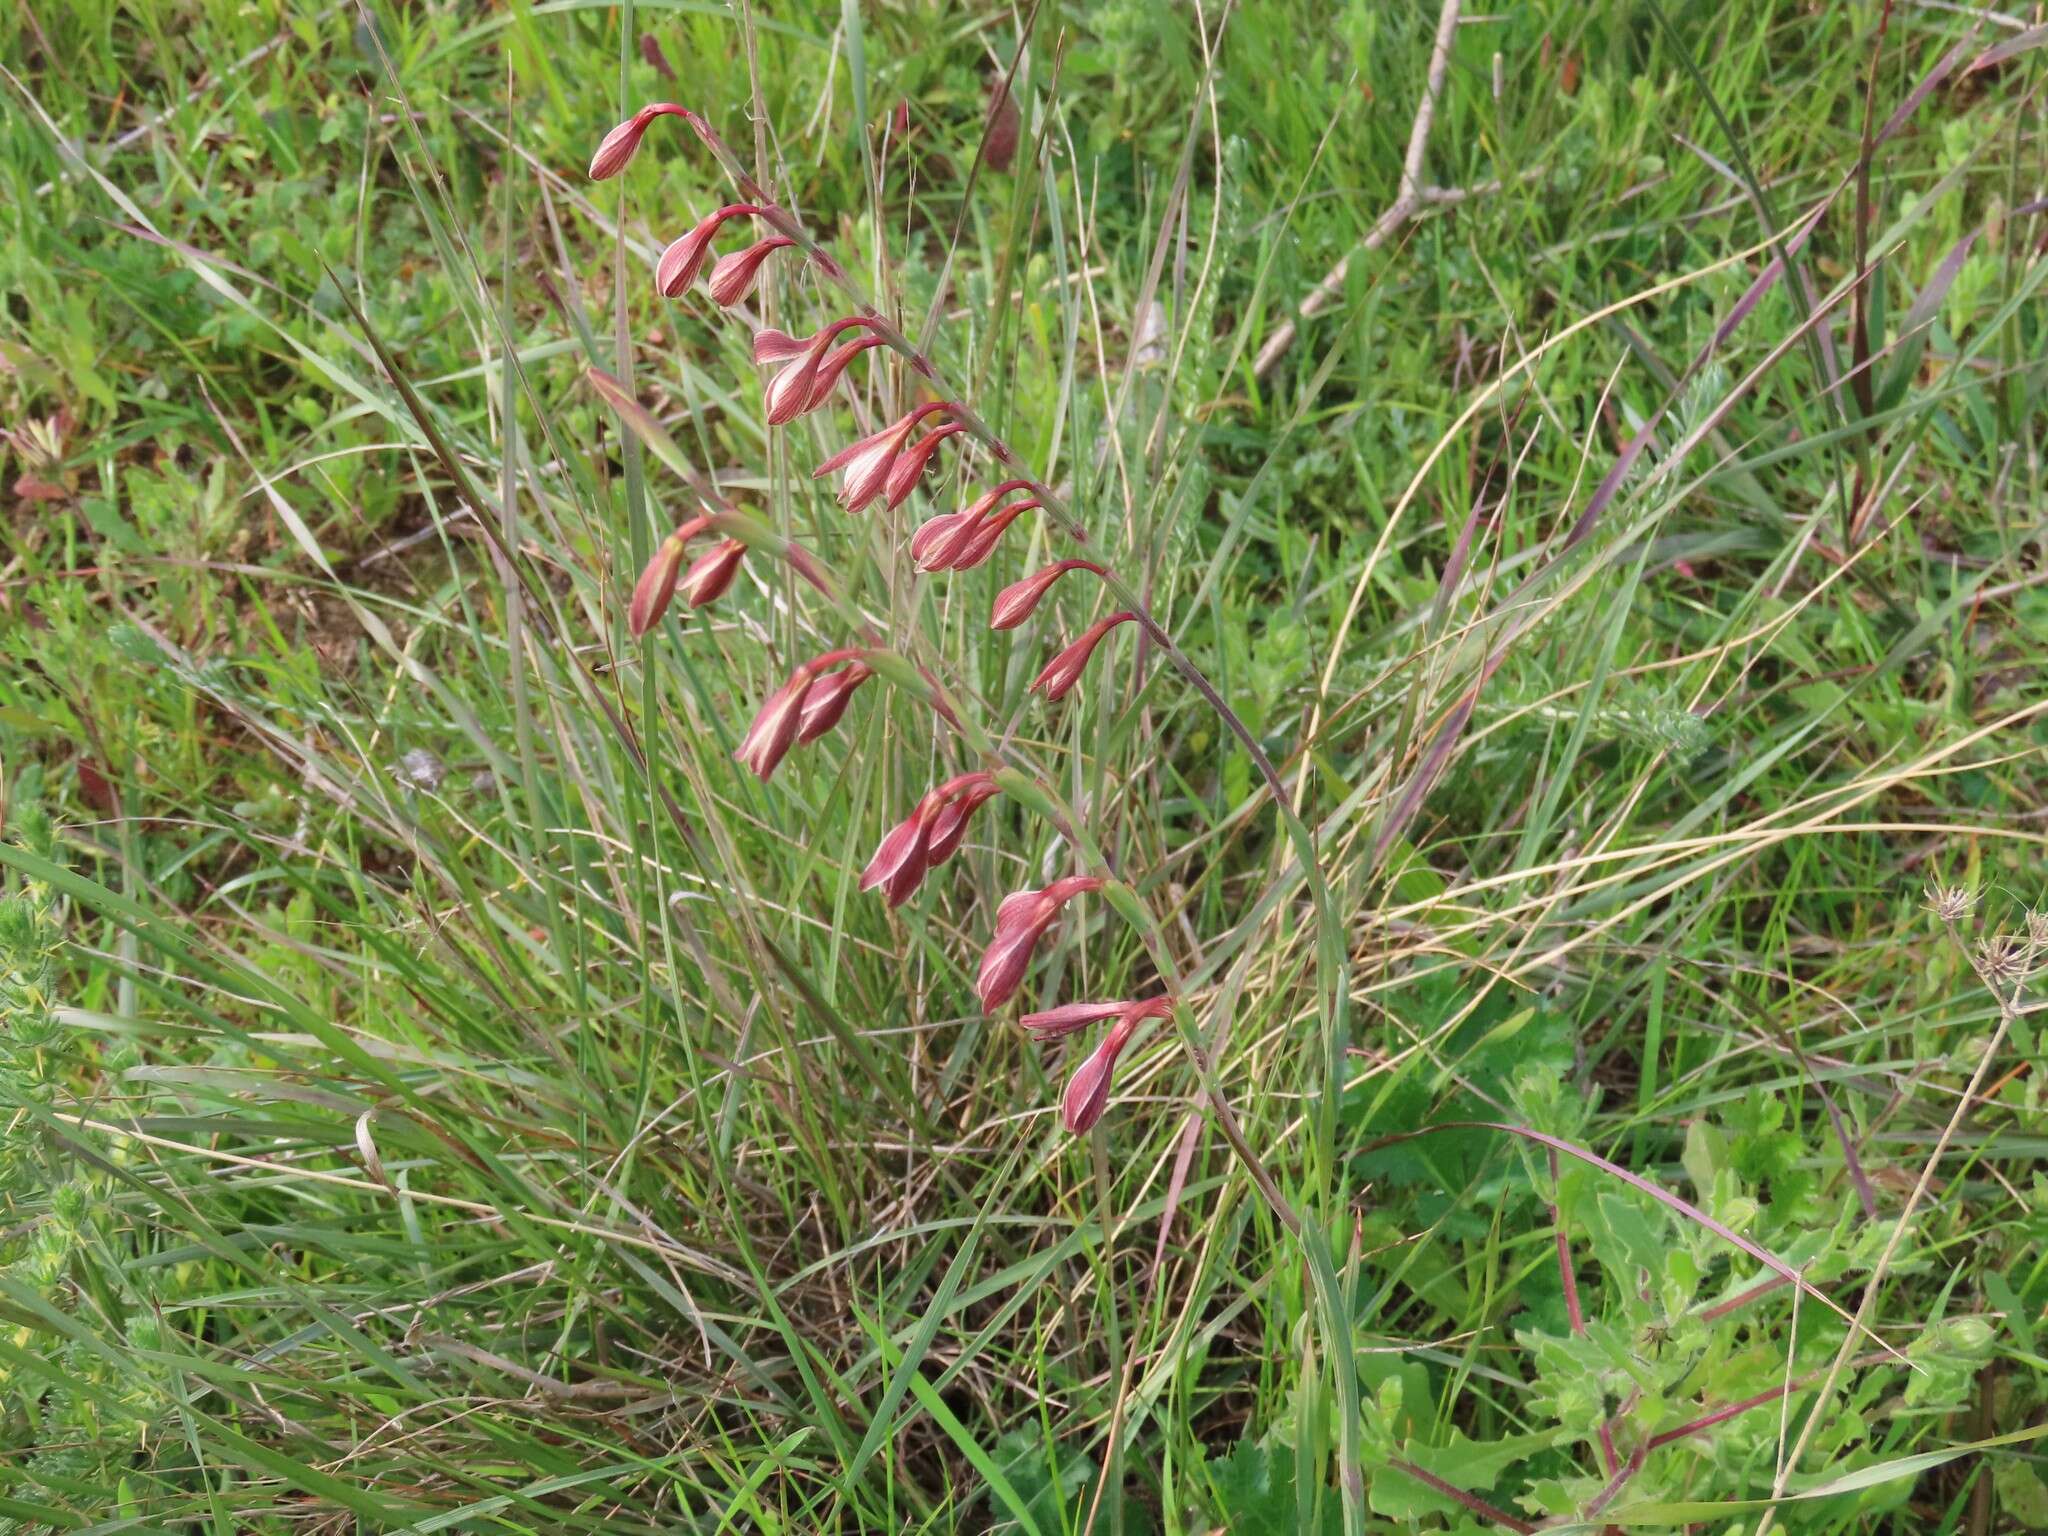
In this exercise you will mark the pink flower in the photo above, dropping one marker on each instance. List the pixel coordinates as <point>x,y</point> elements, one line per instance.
<point>657,583</point>
<point>794,389</point>
<point>620,145</point>
<point>867,462</point>
<point>925,838</point>
<point>1064,670</point>
<point>781,715</point>
<point>833,366</point>
<point>909,466</point>
<point>684,259</point>
<point>732,276</point>
<point>1015,602</point>
<point>1021,921</point>
<point>1068,1018</point>
<point>957,541</point>
<point>1088,1089</point>
<point>712,573</point>
<point>826,699</point>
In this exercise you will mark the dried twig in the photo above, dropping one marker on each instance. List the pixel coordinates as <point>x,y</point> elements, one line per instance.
<point>1412,195</point>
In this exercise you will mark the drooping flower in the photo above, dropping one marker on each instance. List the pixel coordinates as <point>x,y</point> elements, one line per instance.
<point>1087,1090</point>
<point>1015,602</point>
<point>657,583</point>
<point>684,259</point>
<point>971,542</point>
<point>826,699</point>
<point>925,838</point>
<point>1021,921</point>
<point>623,142</point>
<point>733,274</point>
<point>712,573</point>
<point>867,462</point>
<point>834,365</point>
<point>910,464</point>
<point>795,389</point>
<point>1069,1018</point>
<point>1064,670</point>
<point>781,716</point>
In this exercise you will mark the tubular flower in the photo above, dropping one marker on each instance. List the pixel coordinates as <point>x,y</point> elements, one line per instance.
<point>941,537</point>
<point>972,544</point>
<point>910,464</point>
<point>1068,1018</point>
<point>1064,670</point>
<point>826,699</point>
<point>1088,1089</point>
<point>657,583</point>
<point>925,838</point>
<point>623,142</point>
<point>794,389</point>
<point>835,365</point>
<point>1015,602</point>
<point>733,275</point>
<point>781,716</point>
<point>867,462</point>
<point>712,573</point>
<point>684,259</point>
<point>1020,922</point>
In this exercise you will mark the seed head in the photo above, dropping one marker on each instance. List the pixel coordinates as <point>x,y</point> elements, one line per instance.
<point>2002,958</point>
<point>1950,903</point>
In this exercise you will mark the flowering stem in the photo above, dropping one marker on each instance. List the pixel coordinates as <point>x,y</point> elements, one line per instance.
<point>1332,969</point>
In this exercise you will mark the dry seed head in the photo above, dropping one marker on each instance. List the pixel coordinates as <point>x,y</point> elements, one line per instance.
<point>1950,903</point>
<point>2037,927</point>
<point>2002,958</point>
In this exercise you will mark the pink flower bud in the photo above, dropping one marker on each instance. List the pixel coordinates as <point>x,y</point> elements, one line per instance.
<point>950,825</point>
<point>901,849</point>
<point>712,573</point>
<point>1064,670</point>
<point>975,546</point>
<point>781,716</point>
<point>657,583</point>
<point>1068,1018</point>
<point>834,365</point>
<point>826,699</point>
<point>929,533</point>
<point>1021,921</point>
<point>911,850</point>
<point>1015,602</point>
<point>773,346</point>
<point>868,461</point>
<point>684,259</point>
<point>794,389</point>
<point>620,145</point>
<point>1088,1090</point>
<point>909,466</point>
<point>732,276</point>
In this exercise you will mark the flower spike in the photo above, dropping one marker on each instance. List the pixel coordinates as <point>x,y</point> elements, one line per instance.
<point>623,142</point>
<point>733,275</point>
<point>1064,670</point>
<point>1021,921</point>
<point>1015,602</point>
